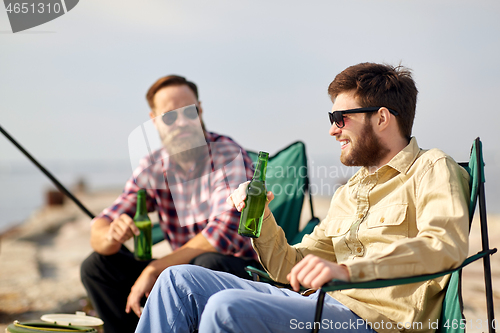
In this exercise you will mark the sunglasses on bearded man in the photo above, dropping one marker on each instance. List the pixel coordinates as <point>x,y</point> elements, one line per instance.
<point>337,117</point>
<point>190,112</point>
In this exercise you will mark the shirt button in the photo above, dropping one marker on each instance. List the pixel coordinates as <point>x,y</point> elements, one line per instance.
<point>358,250</point>
<point>338,230</point>
<point>361,216</point>
<point>382,219</point>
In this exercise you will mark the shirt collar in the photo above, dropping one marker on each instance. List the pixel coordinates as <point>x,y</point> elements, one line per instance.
<point>405,158</point>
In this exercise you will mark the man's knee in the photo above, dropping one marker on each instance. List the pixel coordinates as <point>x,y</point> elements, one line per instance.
<point>180,276</point>
<point>223,305</point>
<point>224,301</point>
<point>181,272</point>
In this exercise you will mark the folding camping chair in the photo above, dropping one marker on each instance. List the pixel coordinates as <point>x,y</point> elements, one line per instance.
<point>452,318</point>
<point>288,179</point>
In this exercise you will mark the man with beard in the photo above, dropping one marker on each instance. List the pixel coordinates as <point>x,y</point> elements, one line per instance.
<point>187,183</point>
<point>405,212</point>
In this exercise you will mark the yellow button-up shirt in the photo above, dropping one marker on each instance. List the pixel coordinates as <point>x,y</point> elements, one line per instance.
<point>410,217</point>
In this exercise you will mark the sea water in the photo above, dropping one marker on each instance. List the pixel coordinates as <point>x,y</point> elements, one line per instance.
<point>23,185</point>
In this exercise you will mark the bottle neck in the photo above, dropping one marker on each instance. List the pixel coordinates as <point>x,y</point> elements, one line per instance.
<point>141,203</point>
<point>260,169</point>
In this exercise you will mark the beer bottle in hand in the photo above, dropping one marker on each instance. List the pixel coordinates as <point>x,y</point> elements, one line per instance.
<point>143,242</point>
<point>253,213</point>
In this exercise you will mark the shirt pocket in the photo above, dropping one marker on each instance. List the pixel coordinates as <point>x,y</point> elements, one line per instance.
<point>388,219</point>
<point>338,226</point>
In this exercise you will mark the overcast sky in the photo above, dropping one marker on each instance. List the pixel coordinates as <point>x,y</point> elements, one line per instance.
<point>73,88</point>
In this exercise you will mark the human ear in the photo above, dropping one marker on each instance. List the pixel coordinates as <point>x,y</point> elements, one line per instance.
<point>383,118</point>
<point>200,109</point>
<point>152,115</point>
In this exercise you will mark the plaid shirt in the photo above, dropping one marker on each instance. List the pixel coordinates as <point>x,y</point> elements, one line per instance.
<point>195,201</point>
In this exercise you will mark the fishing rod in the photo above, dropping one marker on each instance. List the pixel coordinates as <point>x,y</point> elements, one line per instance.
<point>48,174</point>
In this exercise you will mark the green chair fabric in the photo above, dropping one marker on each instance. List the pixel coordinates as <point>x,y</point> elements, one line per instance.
<point>452,311</point>
<point>157,234</point>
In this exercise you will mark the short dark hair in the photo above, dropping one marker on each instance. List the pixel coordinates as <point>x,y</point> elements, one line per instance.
<point>170,80</point>
<point>380,85</point>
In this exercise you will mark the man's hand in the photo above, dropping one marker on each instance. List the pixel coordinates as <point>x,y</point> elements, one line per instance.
<point>142,287</point>
<point>313,272</point>
<point>107,238</point>
<point>237,198</point>
<point>122,229</point>
<point>183,255</point>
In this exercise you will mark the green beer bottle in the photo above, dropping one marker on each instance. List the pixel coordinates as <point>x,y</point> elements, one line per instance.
<point>253,213</point>
<point>143,242</point>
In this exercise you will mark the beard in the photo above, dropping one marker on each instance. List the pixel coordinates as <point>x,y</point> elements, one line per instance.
<point>189,148</point>
<point>195,154</point>
<point>367,150</point>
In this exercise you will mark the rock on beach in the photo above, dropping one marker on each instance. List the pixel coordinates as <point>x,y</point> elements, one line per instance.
<point>40,260</point>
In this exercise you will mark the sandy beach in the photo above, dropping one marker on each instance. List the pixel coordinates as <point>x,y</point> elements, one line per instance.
<point>40,259</point>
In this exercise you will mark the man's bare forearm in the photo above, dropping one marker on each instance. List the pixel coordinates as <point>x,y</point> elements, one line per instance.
<point>99,239</point>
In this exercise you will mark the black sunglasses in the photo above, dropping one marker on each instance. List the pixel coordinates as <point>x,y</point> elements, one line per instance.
<point>190,112</point>
<point>337,117</point>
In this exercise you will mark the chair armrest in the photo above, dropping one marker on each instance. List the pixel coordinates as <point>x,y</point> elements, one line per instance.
<point>261,276</point>
<point>380,283</point>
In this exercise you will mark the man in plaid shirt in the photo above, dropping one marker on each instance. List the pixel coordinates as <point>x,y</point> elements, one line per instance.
<point>187,183</point>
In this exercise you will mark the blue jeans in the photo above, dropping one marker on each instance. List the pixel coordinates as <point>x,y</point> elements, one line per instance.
<point>187,297</point>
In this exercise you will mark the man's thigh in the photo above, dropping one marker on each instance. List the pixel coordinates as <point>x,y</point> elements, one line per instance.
<point>249,311</point>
